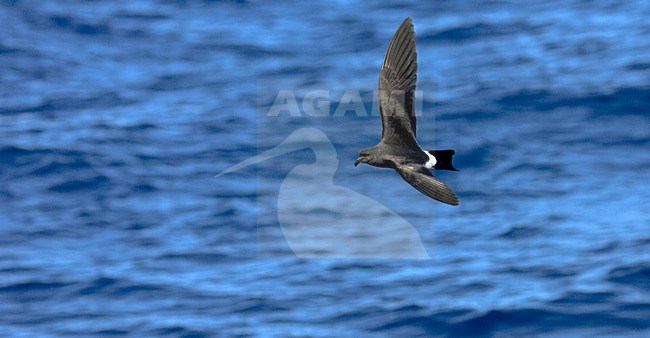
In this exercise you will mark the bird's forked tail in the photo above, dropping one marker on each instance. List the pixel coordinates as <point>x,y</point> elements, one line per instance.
<point>443,159</point>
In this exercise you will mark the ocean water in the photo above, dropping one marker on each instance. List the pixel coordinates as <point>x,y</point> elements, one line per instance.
<point>115,117</point>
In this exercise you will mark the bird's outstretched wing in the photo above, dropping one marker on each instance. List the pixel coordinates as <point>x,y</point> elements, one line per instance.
<point>397,80</point>
<point>422,180</point>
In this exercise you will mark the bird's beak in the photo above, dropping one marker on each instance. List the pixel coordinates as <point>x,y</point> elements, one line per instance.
<point>356,163</point>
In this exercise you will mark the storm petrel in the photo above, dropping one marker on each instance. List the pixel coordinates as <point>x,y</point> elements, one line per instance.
<point>398,148</point>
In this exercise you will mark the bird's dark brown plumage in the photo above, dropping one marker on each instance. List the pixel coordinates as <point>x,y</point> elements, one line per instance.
<point>398,148</point>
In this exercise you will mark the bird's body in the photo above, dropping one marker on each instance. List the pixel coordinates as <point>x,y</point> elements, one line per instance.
<point>398,148</point>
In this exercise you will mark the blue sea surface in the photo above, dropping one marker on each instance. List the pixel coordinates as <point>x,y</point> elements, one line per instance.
<point>116,115</point>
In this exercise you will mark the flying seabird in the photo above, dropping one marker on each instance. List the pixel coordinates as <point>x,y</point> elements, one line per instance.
<point>398,148</point>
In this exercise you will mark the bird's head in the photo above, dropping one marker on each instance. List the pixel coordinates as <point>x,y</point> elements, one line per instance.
<point>365,156</point>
